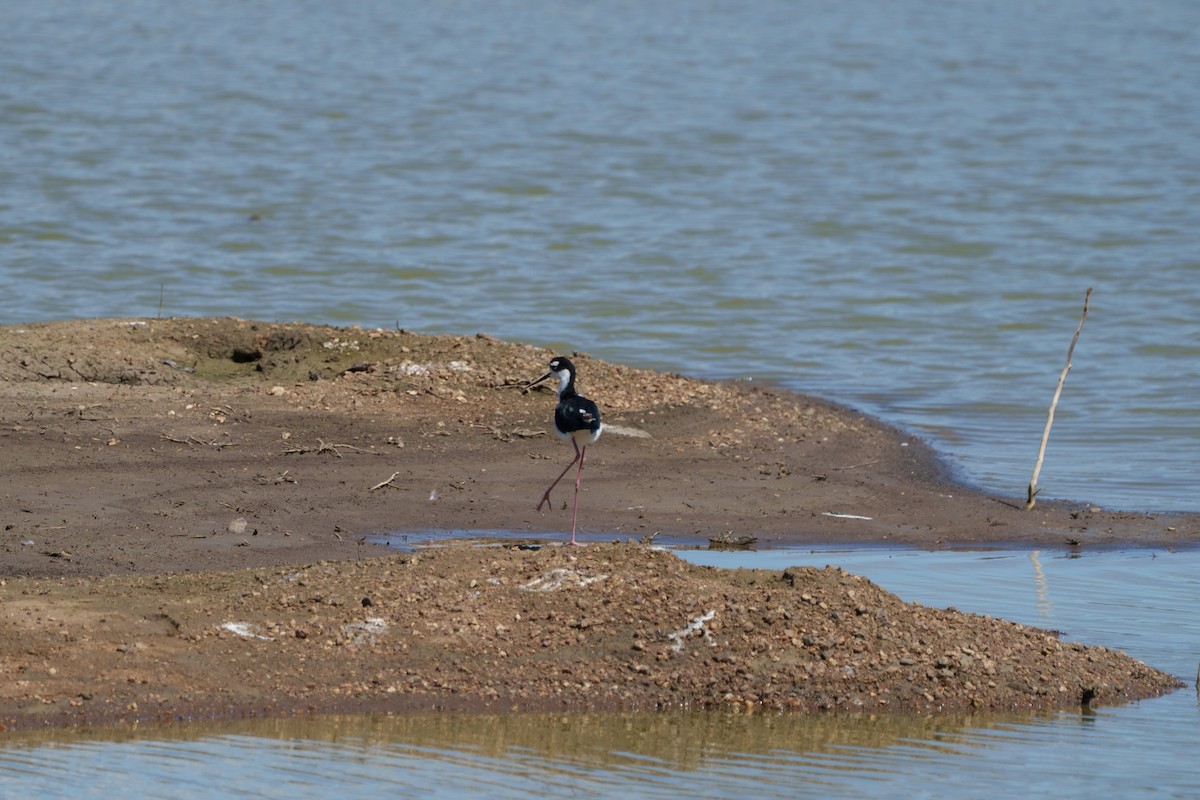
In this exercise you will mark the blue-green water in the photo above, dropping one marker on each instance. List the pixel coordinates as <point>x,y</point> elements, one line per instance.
<point>1140,601</point>
<point>897,205</point>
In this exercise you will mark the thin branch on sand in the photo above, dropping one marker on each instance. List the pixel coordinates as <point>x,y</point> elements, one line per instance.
<point>861,464</point>
<point>192,440</point>
<point>510,436</point>
<point>321,447</point>
<point>388,482</point>
<point>1037,468</point>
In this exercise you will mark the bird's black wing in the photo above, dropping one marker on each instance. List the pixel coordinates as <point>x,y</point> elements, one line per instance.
<point>577,414</point>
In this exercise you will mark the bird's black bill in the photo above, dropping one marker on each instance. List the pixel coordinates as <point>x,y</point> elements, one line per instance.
<point>532,384</point>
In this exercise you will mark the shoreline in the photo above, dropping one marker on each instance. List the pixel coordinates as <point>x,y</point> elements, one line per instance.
<point>147,455</point>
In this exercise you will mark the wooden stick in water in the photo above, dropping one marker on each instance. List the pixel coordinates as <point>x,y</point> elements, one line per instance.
<point>1037,468</point>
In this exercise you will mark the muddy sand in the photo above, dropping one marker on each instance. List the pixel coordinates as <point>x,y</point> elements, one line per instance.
<point>195,514</point>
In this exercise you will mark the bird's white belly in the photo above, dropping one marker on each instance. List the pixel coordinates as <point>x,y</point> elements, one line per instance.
<point>582,437</point>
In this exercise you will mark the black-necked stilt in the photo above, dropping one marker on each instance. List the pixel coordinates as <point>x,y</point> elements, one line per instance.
<point>576,418</point>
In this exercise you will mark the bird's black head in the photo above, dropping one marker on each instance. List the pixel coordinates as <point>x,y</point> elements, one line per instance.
<point>564,370</point>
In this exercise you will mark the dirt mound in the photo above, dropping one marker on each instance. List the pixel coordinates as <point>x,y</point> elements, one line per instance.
<point>607,627</point>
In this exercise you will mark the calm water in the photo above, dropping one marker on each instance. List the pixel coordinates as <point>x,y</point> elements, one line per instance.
<point>897,205</point>
<point>1139,601</point>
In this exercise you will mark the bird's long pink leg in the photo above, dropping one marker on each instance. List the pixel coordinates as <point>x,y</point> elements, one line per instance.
<point>578,457</point>
<point>575,510</point>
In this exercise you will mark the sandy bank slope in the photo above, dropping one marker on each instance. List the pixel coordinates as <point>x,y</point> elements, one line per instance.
<point>137,445</point>
<point>604,627</point>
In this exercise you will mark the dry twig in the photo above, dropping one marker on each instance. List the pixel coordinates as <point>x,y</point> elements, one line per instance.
<point>856,466</point>
<point>1037,467</point>
<point>192,440</point>
<point>284,478</point>
<point>727,540</point>
<point>321,447</point>
<point>510,436</point>
<point>388,482</point>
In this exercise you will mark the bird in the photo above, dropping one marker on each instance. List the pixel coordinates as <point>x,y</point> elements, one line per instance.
<point>576,418</point>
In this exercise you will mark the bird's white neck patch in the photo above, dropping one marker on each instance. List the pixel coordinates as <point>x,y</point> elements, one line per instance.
<point>564,379</point>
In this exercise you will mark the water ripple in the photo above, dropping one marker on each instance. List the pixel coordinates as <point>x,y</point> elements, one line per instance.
<point>870,206</point>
